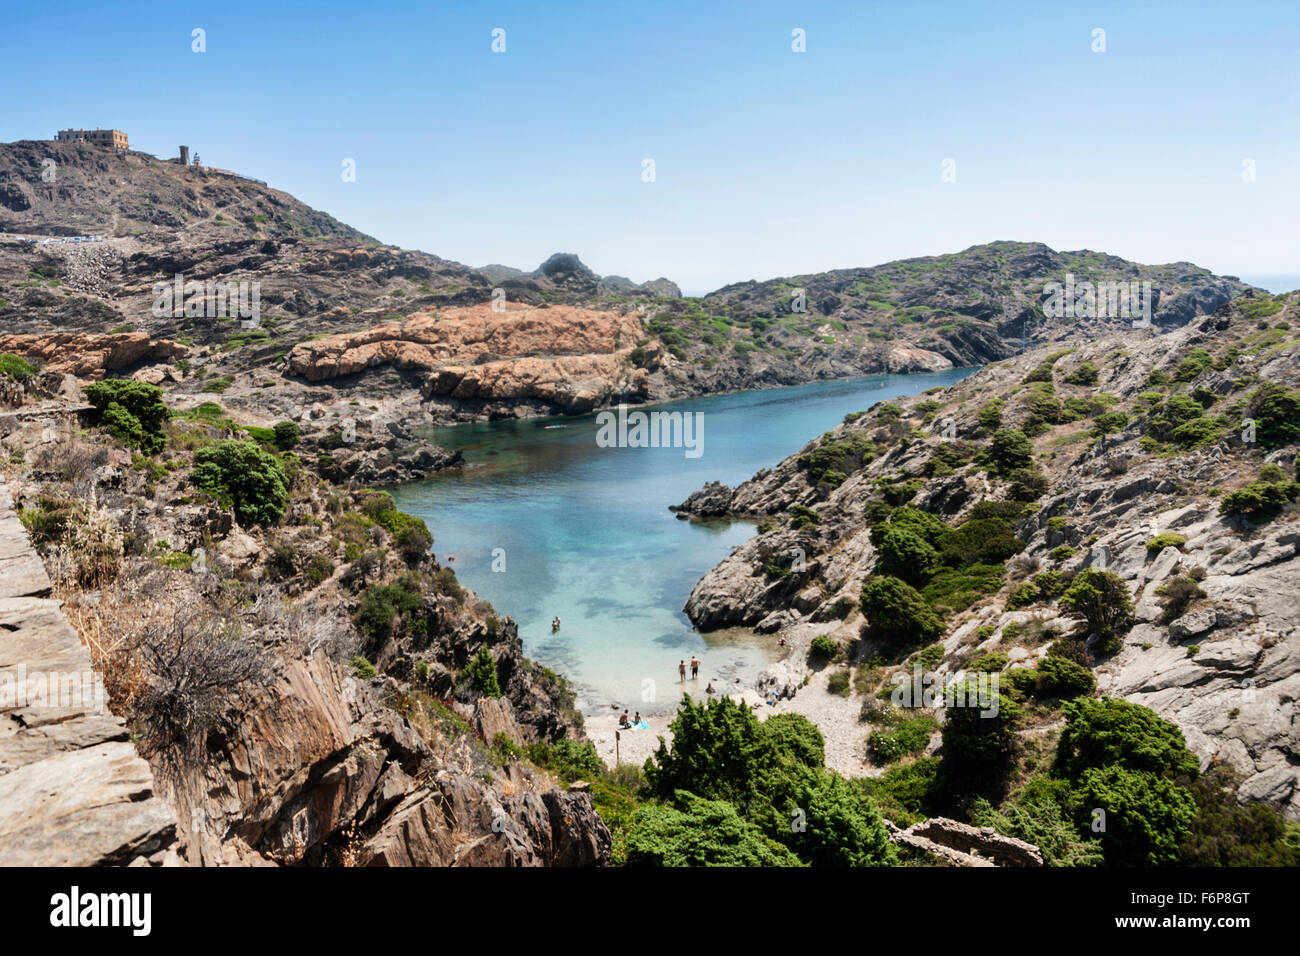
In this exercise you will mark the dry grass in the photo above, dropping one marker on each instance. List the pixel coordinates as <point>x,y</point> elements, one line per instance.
<point>113,627</point>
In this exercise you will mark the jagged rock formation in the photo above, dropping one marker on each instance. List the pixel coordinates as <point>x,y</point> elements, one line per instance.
<point>233,651</point>
<point>565,359</point>
<point>1224,664</point>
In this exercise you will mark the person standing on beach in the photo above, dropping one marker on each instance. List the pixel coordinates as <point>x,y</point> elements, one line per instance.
<point>681,671</point>
<point>695,667</point>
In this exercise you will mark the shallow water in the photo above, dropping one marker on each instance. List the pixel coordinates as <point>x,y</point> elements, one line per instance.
<point>544,522</point>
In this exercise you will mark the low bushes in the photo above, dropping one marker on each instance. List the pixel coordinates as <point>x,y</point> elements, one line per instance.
<point>132,411</point>
<point>243,476</point>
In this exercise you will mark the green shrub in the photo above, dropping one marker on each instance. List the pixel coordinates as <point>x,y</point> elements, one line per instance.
<point>1102,599</point>
<point>17,367</point>
<point>242,475</point>
<point>1063,678</point>
<point>978,741</point>
<point>796,736</point>
<point>990,415</point>
<point>930,657</point>
<point>1023,595</point>
<point>1276,412</point>
<point>896,613</point>
<point>700,832</point>
<point>902,492</point>
<point>1028,484</point>
<point>1009,451</point>
<point>929,527</point>
<point>1197,433</point>
<point>1228,833</point>
<point>823,648</point>
<point>908,738</point>
<point>1196,362</point>
<point>1147,817</point>
<point>363,668</point>
<point>979,541</point>
<point>1085,373</point>
<point>801,516</point>
<point>1166,539</point>
<point>132,411</point>
<point>286,435</point>
<point>1166,417</point>
<point>1259,500</point>
<point>1050,584</point>
<point>843,456</point>
<point>903,553</point>
<point>988,663</point>
<point>1109,422</point>
<point>1105,731</point>
<point>570,760</point>
<point>380,606</point>
<point>842,826</point>
<point>481,674</point>
<point>1038,816</point>
<point>958,588</point>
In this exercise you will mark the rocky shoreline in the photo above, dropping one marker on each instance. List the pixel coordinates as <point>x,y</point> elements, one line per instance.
<point>1106,498</point>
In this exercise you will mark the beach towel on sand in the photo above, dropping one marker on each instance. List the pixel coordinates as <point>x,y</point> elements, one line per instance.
<point>642,725</point>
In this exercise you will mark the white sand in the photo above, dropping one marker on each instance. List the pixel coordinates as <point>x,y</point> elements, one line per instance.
<point>836,716</point>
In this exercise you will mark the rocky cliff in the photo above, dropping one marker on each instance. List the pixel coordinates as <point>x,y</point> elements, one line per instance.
<point>1166,459</point>
<point>314,690</point>
<point>487,362</point>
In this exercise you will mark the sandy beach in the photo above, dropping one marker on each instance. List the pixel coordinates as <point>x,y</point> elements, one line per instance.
<point>836,716</point>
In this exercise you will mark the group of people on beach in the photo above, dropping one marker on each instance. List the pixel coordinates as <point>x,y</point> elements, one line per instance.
<point>625,724</point>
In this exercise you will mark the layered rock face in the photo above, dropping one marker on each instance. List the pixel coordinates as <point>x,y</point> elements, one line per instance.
<point>1224,665</point>
<point>73,790</point>
<point>91,356</point>
<point>317,771</point>
<point>570,359</point>
<point>232,657</point>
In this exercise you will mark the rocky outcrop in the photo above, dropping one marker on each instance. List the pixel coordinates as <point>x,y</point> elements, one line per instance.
<point>73,791</point>
<point>711,501</point>
<point>953,843</point>
<point>316,772</point>
<point>905,359</point>
<point>1224,666</point>
<point>568,359</point>
<point>91,356</point>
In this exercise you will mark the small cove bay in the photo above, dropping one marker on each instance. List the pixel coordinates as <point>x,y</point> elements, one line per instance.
<point>544,522</point>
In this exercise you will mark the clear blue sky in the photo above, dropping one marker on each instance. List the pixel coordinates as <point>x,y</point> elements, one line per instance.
<point>768,162</point>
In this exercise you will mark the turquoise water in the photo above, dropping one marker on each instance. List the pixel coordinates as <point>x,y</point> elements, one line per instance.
<point>584,532</point>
